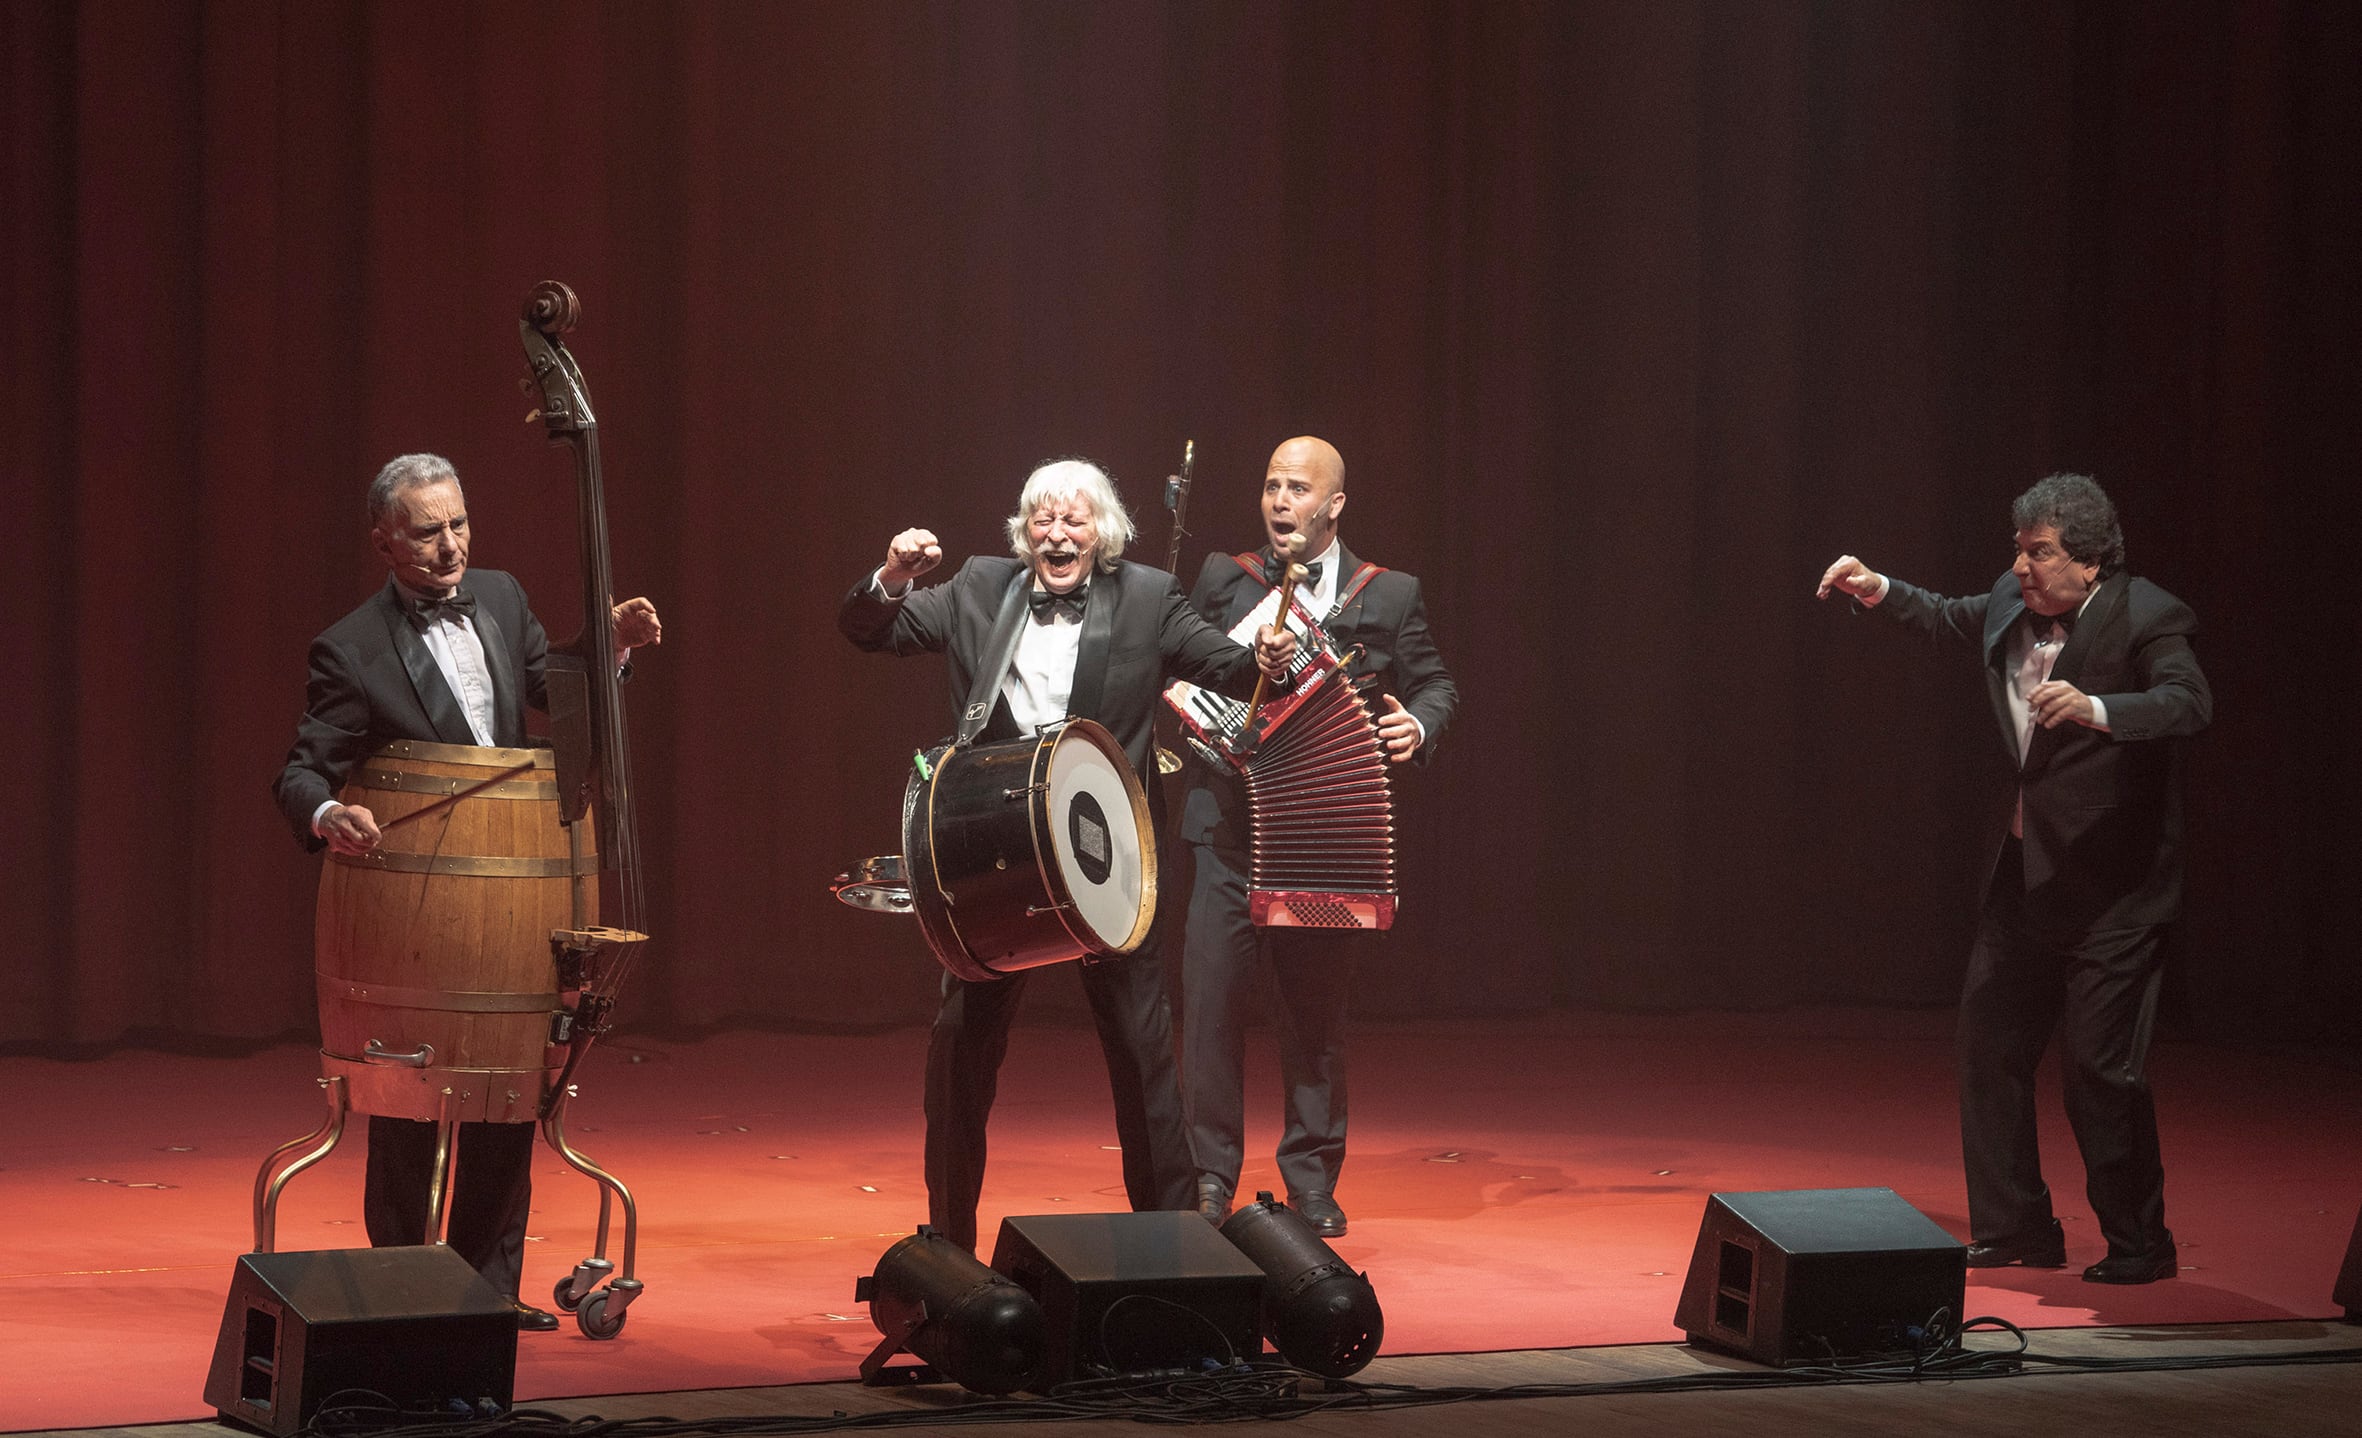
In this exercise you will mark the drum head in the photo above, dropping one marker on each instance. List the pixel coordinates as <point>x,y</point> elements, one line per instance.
<point>1101,845</point>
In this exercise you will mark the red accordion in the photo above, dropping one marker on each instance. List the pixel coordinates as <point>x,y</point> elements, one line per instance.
<point>1317,788</point>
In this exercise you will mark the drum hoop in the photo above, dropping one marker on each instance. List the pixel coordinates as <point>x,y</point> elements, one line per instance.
<point>1044,847</point>
<point>925,876</point>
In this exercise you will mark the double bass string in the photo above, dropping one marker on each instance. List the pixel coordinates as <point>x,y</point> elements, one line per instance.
<point>551,310</point>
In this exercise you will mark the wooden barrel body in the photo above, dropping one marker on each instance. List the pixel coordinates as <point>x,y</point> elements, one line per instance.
<point>438,988</point>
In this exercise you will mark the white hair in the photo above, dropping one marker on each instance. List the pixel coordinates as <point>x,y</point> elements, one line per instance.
<point>403,473</point>
<point>1063,479</point>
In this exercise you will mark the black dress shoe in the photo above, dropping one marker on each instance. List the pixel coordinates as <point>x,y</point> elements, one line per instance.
<point>1213,1203</point>
<point>535,1320</point>
<point>2043,1248</point>
<point>1321,1211</point>
<point>2158,1262</point>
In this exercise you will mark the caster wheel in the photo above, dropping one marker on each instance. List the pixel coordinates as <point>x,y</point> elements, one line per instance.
<point>563,1295</point>
<point>592,1317</point>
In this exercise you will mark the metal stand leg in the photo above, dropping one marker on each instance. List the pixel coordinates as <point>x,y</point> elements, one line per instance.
<point>268,1184</point>
<point>598,1312</point>
<point>438,1198</point>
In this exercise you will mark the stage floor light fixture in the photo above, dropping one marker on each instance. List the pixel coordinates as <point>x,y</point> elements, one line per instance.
<point>1321,1315</point>
<point>931,1297</point>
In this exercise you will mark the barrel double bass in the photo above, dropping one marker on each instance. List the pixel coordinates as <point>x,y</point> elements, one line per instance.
<point>463,969</point>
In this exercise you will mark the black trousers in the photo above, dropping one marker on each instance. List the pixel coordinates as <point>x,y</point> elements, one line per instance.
<point>964,1053</point>
<point>1312,978</point>
<point>489,1201</point>
<point>2098,992</point>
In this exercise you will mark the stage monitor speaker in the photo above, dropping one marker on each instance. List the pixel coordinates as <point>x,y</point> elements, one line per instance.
<point>419,1327</point>
<point>2348,1293</point>
<point>1818,1275</point>
<point>1132,1292</point>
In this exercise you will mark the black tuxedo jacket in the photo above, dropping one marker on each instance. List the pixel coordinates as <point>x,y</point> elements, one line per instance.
<point>1137,631</point>
<point>2103,810</point>
<point>373,682</point>
<point>1388,618</point>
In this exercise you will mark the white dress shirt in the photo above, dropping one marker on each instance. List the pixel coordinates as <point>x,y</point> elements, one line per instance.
<point>459,654</point>
<point>1040,681</point>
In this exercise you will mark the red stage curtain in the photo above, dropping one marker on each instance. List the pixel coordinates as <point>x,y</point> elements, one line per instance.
<point>1628,318</point>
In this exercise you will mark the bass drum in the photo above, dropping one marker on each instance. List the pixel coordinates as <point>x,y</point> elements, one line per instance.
<point>1030,852</point>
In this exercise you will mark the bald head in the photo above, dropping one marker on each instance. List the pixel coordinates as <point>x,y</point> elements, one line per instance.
<point>1313,455</point>
<point>1304,493</point>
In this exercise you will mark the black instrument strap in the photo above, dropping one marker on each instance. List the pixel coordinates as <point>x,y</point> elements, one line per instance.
<point>1091,651</point>
<point>1000,651</point>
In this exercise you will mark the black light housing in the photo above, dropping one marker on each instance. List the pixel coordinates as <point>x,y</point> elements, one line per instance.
<point>1321,1315</point>
<point>968,1323</point>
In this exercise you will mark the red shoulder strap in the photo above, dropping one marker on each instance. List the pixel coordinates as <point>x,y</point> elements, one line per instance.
<point>1361,577</point>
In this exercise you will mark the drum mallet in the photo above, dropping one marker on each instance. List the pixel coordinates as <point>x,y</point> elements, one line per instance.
<point>1292,549</point>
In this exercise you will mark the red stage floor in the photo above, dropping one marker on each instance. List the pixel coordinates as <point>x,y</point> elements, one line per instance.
<point>1527,1183</point>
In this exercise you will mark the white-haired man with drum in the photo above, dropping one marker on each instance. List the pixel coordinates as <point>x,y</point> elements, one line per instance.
<point>1064,629</point>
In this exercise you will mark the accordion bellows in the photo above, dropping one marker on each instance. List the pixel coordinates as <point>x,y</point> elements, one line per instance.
<point>1320,801</point>
<point>1323,814</point>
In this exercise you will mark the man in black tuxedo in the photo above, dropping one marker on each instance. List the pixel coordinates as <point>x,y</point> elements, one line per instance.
<point>2092,676</point>
<point>433,659</point>
<point>1066,628</point>
<point>1413,697</point>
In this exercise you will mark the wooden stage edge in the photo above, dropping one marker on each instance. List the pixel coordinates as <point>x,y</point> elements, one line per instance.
<point>2253,1395</point>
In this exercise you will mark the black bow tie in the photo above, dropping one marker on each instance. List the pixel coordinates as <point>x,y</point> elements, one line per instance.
<point>1276,569</point>
<point>1046,605</point>
<point>454,605</point>
<point>2041,624</point>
